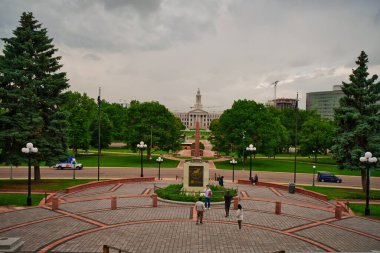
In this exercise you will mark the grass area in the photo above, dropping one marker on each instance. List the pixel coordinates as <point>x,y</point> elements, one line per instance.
<point>19,199</point>
<point>45,184</point>
<point>343,193</point>
<point>283,165</point>
<point>173,192</point>
<point>113,160</point>
<point>358,209</point>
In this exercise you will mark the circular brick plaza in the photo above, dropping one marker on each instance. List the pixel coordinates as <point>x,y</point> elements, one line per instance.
<point>85,220</point>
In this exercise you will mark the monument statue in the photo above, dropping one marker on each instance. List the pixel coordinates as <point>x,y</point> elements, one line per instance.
<point>196,174</point>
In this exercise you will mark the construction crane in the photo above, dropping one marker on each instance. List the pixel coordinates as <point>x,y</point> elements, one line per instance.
<point>275,90</point>
<point>192,107</point>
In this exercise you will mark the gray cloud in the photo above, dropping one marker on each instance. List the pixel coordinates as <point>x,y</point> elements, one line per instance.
<point>231,49</point>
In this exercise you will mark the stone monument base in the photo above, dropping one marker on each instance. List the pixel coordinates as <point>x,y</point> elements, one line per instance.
<point>196,175</point>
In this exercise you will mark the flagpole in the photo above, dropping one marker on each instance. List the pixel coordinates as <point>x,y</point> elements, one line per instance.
<point>99,134</point>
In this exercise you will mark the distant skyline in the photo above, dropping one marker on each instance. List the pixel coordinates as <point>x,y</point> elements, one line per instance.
<point>164,50</point>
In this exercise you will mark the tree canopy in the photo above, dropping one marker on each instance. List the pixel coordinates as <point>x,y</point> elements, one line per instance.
<point>358,117</point>
<point>31,89</point>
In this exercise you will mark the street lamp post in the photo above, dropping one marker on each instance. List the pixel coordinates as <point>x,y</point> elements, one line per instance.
<point>368,160</point>
<point>159,160</point>
<point>233,162</point>
<point>243,137</point>
<point>251,149</point>
<point>74,167</point>
<point>29,150</point>
<point>314,166</point>
<point>141,147</point>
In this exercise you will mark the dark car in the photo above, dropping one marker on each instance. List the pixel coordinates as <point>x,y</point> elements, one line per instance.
<point>328,177</point>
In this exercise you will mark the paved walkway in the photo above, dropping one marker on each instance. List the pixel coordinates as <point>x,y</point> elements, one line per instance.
<point>84,222</point>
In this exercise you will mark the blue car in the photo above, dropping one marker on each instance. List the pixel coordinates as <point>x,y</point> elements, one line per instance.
<point>328,177</point>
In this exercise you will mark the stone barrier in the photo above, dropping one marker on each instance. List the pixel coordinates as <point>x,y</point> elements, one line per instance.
<point>338,212</point>
<point>113,203</point>
<point>278,207</point>
<point>236,202</point>
<point>54,203</point>
<point>154,199</point>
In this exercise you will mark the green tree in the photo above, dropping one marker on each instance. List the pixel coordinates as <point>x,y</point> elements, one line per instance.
<point>152,120</point>
<point>317,135</point>
<point>81,111</point>
<point>358,119</point>
<point>31,95</point>
<point>259,124</point>
<point>117,114</point>
<point>105,131</point>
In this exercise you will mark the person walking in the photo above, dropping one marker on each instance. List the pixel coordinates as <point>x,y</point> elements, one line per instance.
<point>200,207</point>
<point>227,202</point>
<point>221,181</point>
<point>239,215</point>
<point>208,194</point>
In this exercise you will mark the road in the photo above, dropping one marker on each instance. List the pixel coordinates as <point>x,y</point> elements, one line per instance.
<point>171,173</point>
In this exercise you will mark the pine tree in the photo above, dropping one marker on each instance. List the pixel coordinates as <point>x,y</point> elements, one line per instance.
<point>31,95</point>
<point>358,119</point>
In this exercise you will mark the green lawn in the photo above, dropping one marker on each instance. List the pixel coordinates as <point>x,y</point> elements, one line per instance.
<point>343,193</point>
<point>113,160</point>
<point>284,165</point>
<point>358,209</point>
<point>45,184</point>
<point>19,199</point>
<point>173,192</point>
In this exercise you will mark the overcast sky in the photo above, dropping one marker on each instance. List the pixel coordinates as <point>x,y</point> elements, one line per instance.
<point>164,50</point>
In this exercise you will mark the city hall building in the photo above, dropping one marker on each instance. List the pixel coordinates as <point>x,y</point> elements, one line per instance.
<point>190,118</point>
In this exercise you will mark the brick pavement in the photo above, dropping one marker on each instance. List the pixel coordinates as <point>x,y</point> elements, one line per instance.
<point>304,225</point>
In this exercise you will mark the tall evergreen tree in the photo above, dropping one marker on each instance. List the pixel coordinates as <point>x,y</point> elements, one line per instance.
<point>31,95</point>
<point>358,119</point>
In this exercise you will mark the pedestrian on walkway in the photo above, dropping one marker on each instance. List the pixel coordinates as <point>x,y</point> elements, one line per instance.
<point>208,194</point>
<point>239,215</point>
<point>200,207</point>
<point>227,202</point>
<point>221,180</point>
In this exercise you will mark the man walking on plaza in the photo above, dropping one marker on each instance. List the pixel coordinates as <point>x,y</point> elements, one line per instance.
<point>208,194</point>
<point>227,202</point>
<point>200,207</point>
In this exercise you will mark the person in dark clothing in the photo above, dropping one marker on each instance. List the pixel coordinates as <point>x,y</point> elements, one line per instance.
<point>221,179</point>
<point>227,202</point>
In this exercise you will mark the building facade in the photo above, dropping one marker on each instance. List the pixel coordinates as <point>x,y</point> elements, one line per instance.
<point>324,102</point>
<point>190,118</point>
<point>282,103</point>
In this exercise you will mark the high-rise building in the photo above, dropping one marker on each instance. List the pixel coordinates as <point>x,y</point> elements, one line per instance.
<point>324,102</point>
<point>197,113</point>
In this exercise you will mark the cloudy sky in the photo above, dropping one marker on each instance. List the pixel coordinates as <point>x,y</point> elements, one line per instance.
<point>164,50</point>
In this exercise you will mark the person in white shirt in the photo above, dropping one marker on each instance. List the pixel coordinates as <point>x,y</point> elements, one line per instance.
<point>239,215</point>
<point>208,194</point>
<point>200,207</point>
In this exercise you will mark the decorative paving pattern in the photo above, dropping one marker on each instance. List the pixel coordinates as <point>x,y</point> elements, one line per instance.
<point>307,212</point>
<point>139,214</point>
<point>340,239</point>
<point>136,226</point>
<point>17,217</point>
<point>368,226</point>
<point>38,234</point>
<point>186,237</point>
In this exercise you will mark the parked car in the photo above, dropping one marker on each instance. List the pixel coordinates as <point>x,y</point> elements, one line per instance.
<point>328,177</point>
<point>68,165</point>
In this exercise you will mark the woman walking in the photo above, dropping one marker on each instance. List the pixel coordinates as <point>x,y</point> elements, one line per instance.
<point>239,215</point>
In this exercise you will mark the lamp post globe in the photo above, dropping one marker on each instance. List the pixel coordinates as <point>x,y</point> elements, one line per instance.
<point>29,150</point>
<point>141,146</point>
<point>251,150</point>
<point>233,162</point>
<point>159,160</point>
<point>368,160</point>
